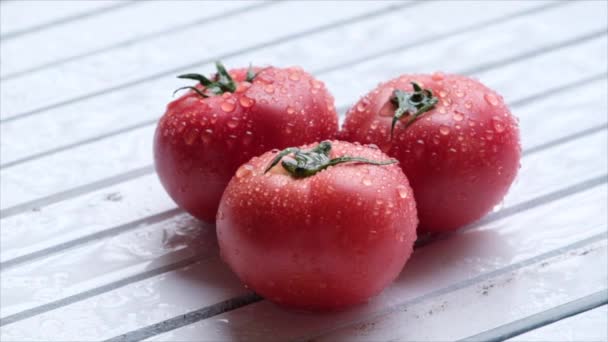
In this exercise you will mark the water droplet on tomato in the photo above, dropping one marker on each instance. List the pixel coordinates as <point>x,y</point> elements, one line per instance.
<point>443,93</point>
<point>207,136</point>
<point>367,181</point>
<point>242,87</point>
<point>269,88</point>
<point>444,130</point>
<point>402,191</point>
<point>294,76</point>
<point>244,170</point>
<point>190,136</point>
<point>228,106</point>
<point>468,104</point>
<point>491,99</point>
<point>459,93</point>
<point>498,125</point>
<point>233,123</point>
<point>438,76</point>
<point>442,110</point>
<point>290,110</point>
<point>457,116</point>
<point>246,102</point>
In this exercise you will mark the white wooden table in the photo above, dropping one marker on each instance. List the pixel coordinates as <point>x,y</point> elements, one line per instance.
<point>93,249</point>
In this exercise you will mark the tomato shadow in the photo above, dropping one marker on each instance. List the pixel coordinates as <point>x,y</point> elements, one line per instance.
<point>448,256</point>
<point>193,260</point>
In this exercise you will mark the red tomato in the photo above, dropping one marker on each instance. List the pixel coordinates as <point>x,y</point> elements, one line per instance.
<point>457,142</point>
<point>207,133</point>
<point>321,240</point>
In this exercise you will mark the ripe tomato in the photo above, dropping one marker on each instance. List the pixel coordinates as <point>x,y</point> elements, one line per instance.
<point>221,123</point>
<point>456,141</point>
<point>314,238</point>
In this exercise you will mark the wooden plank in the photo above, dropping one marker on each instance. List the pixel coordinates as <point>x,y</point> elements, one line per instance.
<point>138,64</point>
<point>437,269</point>
<point>133,147</point>
<point>587,326</point>
<point>313,53</point>
<point>17,19</point>
<point>127,256</point>
<point>54,44</point>
<point>488,304</point>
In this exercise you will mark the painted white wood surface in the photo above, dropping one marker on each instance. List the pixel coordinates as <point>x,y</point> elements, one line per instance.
<point>585,327</point>
<point>98,260</point>
<point>26,15</point>
<point>103,31</point>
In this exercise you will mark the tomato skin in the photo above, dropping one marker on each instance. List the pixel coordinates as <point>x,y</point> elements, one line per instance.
<point>200,142</point>
<point>323,242</point>
<point>460,158</point>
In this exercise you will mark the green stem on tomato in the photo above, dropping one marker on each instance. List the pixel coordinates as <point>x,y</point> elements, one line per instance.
<point>307,163</point>
<point>414,104</point>
<point>221,83</point>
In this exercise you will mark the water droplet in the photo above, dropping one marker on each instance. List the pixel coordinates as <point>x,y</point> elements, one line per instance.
<point>444,130</point>
<point>269,88</point>
<point>207,136</point>
<point>244,170</point>
<point>246,102</point>
<point>228,106</point>
<point>374,125</point>
<point>443,93</point>
<point>190,136</point>
<point>436,140</point>
<point>294,76</point>
<point>367,181</point>
<point>468,104</point>
<point>498,125</point>
<point>420,141</point>
<point>361,106</point>
<point>233,123</point>
<point>459,93</point>
<point>316,84</point>
<point>438,76</point>
<point>491,99</point>
<point>490,135</point>
<point>402,191</point>
<point>290,110</point>
<point>242,87</point>
<point>457,116</point>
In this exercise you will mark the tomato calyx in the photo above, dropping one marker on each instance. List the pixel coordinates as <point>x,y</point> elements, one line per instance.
<point>413,104</point>
<point>307,163</point>
<point>221,83</point>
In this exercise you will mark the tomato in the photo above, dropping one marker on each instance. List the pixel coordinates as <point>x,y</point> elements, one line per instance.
<point>455,139</point>
<point>222,122</point>
<point>312,236</point>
